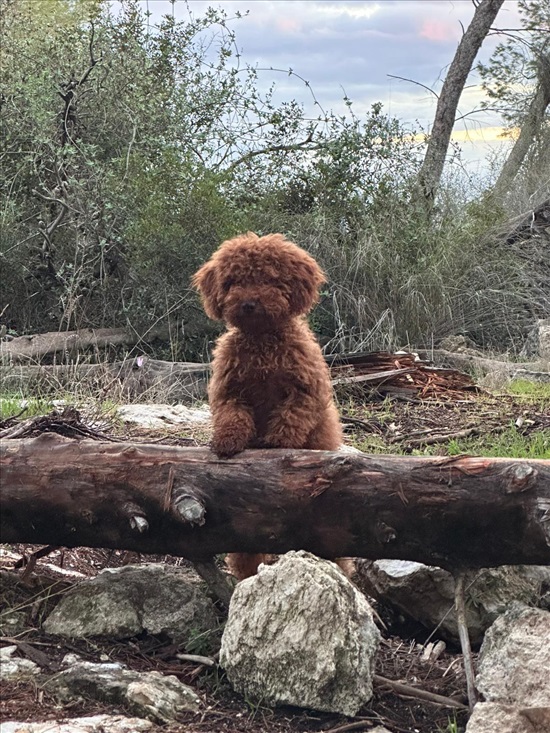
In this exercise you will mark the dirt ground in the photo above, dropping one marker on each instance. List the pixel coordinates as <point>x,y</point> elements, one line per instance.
<point>399,659</point>
<point>395,425</point>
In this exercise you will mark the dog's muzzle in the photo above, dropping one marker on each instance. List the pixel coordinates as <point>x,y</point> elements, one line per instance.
<point>249,307</point>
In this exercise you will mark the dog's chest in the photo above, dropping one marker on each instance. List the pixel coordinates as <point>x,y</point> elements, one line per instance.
<point>265,396</point>
<point>264,378</point>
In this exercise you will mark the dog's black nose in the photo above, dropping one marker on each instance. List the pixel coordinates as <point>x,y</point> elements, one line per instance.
<point>249,306</point>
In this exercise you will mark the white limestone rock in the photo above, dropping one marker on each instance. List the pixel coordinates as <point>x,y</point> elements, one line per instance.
<point>163,416</point>
<point>513,674</point>
<point>514,660</point>
<point>91,724</point>
<point>494,717</point>
<point>126,601</point>
<point>299,633</point>
<point>15,669</point>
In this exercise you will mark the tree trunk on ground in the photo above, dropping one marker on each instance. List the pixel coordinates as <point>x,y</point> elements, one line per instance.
<point>163,381</point>
<point>452,512</point>
<point>438,144</point>
<point>27,348</point>
<point>479,363</point>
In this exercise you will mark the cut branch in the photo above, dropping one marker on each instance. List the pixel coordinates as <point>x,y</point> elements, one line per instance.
<point>408,691</point>
<point>452,512</point>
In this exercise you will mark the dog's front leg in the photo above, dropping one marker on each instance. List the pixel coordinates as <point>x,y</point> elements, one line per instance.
<point>234,428</point>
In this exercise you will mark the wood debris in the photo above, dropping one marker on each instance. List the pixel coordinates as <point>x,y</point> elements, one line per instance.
<point>401,374</point>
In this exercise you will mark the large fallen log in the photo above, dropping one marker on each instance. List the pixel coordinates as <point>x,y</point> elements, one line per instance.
<point>32,347</point>
<point>452,512</point>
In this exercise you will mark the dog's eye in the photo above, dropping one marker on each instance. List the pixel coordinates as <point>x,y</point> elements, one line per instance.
<point>227,283</point>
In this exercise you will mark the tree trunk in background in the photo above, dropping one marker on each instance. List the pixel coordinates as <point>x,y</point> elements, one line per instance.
<point>438,144</point>
<point>135,377</point>
<point>529,129</point>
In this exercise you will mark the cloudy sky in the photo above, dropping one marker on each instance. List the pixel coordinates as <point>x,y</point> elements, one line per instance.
<point>356,47</point>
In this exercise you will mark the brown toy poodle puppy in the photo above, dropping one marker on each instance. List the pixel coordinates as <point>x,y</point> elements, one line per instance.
<point>270,386</point>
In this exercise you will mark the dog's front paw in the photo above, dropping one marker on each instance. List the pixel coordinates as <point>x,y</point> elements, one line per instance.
<point>225,446</point>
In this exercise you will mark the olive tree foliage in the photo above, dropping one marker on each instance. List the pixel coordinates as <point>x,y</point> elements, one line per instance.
<point>130,151</point>
<point>517,84</point>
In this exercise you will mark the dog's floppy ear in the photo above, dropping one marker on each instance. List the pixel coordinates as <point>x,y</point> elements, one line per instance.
<point>307,277</point>
<point>206,282</point>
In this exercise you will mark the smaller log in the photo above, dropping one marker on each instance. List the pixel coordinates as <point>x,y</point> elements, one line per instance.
<point>220,584</point>
<point>482,364</point>
<point>182,382</point>
<point>32,347</point>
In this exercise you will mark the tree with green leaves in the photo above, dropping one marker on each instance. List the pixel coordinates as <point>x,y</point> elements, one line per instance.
<point>517,83</point>
<point>130,151</point>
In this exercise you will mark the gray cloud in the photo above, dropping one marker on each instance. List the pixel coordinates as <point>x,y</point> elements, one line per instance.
<point>354,45</point>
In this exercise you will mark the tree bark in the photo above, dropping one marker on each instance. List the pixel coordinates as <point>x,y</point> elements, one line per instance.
<point>529,129</point>
<point>163,381</point>
<point>32,347</point>
<point>452,512</point>
<point>479,363</point>
<point>438,144</point>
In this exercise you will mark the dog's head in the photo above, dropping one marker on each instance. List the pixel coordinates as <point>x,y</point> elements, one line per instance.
<point>256,283</point>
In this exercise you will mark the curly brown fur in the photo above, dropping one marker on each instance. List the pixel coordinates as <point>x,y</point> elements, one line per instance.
<point>270,386</point>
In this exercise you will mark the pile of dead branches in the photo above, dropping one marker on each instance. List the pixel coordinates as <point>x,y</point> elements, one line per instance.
<point>401,374</point>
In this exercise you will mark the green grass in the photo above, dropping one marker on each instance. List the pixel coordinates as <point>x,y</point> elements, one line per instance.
<point>452,727</point>
<point>508,444</point>
<point>11,405</point>
<point>537,392</point>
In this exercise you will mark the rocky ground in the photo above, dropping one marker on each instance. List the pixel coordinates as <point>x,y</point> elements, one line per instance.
<point>388,425</point>
<point>400,658</point>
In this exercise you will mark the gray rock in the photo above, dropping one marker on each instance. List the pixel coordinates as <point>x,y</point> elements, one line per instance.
<point>538,340</point>
<point>12,623</point>
<point>149,694</point>
<point>494,717</point>
<point>426,594</point>
<point>544,338</point>
<point>299,633</point>
<point>15,669</point>
<point>514,659</point>
<point>127,601</point>
<point>93,724</point>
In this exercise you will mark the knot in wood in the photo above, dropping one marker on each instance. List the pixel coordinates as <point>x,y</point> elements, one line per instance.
<point>139,524</point>
<point>385,533</point>
<point>339,466</point>
<point>190,509</point>
<point>520,478</point>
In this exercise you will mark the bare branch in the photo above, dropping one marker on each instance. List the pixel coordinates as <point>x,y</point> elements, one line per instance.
<point>304,145</point>
<point>412,81</point>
